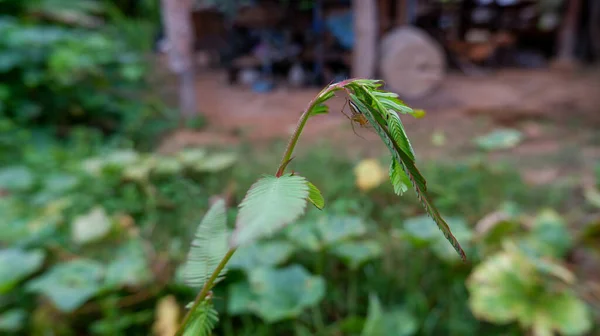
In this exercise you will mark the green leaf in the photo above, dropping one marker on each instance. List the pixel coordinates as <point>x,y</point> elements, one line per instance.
<point>319,109</point>
<point>284,293</point>
<point>325,231</point>
<point>203,321</point>
<point>397,322</point>
<point>421,231</point>
<point>215,162</point>
<point>12,320</point>
<point>261,254</point>
<point>130,266</point>
<point>398,177</point>
<point>240,298</point>
<point>90,227</point>
<point>549,234</point>
<point>355,254</point>
<point>397,131</point>
<point>270,204</point>
<point>499,139</point>
<point>374,116</point>
<point>17,264</point>
<point>315,197</point>
<point>16,178</point>
<point>71,284</point>
<point>208,247</point>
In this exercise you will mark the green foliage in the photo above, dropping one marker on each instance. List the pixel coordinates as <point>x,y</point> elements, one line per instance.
<point>395,322</point>
<point>539,294</point>
<point>271,203</point>
<point>204,320</point>
<point>208,247</point>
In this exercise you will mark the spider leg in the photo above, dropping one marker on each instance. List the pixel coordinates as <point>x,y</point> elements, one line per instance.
<point>343,108</point>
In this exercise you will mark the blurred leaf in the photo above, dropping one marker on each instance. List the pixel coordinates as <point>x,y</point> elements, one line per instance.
<point>16,178</point>
<point>260,254</point>
<point>549,234</point>
<point>270,204</point>
<point>369,174</point>
<point>17,264</point>
<point>90,227</point>
<point>240,298</point>
<point>438,138</point>
<point>70,284</point>
<point>190,157</point>
<point>284,293</point>
<point>325,231</point>
<point>209,246</point>
<point>397,322</point>
<point>167,317</point>
<point>12,320</point>
<point>60,182</point>
<point>168,166</point>
<point>355,254</point>
<point>315,197</point>
<point>499,139</point>
<point>130,266</point>
<point>592,195</point>
<point>215,162</point>
<point>509,287</point>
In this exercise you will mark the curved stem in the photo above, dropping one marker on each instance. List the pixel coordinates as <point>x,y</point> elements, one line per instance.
<point>205,289</point>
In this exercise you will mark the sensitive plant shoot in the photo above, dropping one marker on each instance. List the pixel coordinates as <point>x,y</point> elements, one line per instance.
<point>275,201</point>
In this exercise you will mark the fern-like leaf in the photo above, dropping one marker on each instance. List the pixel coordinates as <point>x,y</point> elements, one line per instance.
<point>315,196</point>
<point>208,247</point>
<point>203,321</point>
<point>409,167</point>
<point>270,204</point>
<point>397,131</point>
<point>398,177</point>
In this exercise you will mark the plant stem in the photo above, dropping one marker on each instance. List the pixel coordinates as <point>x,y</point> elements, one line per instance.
<point>300,126</point>
<point>205,289</point>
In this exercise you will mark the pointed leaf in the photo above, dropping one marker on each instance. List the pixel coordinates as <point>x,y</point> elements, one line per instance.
<point>399,180</point>
<point>209,246</point>
<point>270,204</point>
<point>204,320</point>
<point>315,196</point>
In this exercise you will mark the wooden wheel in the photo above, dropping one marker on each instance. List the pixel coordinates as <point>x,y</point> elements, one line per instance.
<point>412,63</point>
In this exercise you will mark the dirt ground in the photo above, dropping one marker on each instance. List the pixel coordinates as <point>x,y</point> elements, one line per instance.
<point>558,113</point>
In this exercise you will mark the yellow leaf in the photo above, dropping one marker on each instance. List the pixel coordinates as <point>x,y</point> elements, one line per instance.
<point>167,317</point>
<point>369,174</point>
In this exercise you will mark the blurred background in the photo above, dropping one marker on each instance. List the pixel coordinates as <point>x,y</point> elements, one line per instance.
<point>121,121</point>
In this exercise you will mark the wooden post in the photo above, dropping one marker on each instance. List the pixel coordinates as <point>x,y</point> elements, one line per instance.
<point>177,20</point>
<point>364,53</point>
<point>567,37</point>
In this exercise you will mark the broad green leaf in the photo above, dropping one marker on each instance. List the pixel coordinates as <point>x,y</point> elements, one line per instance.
<point>511,287</point>
<point>90,227</point>
<point>12,320</point>
<point>215,162</point>
<point>240,298</point>
<point>397,322</point>
<point>270,204</point>
<point>17,264</point>
<point>208,247</point>
<point>499,139</point>
<point>58,183</point>
<point>325,231</point>
<point>398,177</point>
<point>16,178</point>
<point>284,293</point>
<point>261,254</point>
<point>70,284</point>
<point>203,321</point>
<point>355,254</point>
<point>549,234</point>
<point>130,266</point>
<point>315,197</point>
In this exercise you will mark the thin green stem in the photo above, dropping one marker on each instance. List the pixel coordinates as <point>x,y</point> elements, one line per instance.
<point>205,289</point>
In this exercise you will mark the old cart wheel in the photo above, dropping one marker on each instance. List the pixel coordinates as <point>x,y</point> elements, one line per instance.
<point>412,63</point>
